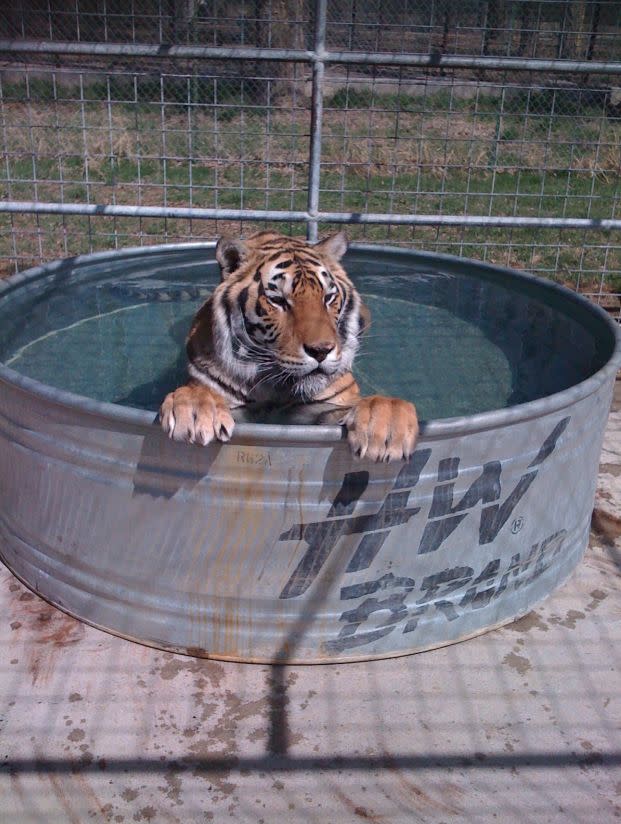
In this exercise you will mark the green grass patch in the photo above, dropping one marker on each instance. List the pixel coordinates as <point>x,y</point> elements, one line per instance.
<point>211,144</point>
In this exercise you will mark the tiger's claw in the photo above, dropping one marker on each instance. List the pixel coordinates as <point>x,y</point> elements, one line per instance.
<point>196,414</point>
<point>382,429</point>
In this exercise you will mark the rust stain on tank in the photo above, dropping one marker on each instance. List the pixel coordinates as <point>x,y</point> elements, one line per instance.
<point>229,564</point>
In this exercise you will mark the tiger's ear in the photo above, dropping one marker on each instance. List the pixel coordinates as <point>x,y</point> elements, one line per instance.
<point>230,252</point>
<point>334,246</point>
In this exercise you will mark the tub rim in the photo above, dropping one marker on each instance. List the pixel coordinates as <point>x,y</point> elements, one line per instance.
<point>320,435</point>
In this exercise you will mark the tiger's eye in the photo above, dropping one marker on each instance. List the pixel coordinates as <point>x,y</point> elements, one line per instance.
<point>278,300</point>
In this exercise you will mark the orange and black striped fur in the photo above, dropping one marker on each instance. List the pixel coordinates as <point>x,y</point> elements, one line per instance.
<point>283,328</point>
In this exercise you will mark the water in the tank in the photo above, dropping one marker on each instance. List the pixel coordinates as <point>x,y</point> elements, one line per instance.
<point>454,344</point>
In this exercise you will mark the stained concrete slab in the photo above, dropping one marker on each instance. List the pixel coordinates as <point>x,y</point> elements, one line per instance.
<point>519,725</point>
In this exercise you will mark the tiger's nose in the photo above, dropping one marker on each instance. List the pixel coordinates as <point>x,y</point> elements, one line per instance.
<point>320,352</point>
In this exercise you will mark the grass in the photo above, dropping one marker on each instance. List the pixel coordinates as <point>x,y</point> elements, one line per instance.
<point>382,153</point>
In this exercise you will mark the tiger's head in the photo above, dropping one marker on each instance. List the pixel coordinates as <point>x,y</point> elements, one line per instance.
<point>286,316</point>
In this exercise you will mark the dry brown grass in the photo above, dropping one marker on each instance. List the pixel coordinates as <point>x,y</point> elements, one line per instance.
<point>360,143</point>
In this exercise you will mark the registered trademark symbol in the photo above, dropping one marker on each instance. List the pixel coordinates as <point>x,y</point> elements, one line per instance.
<point>517,525</point>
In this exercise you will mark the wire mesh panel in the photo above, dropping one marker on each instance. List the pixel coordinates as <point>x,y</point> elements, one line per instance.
<point>477,147</point>
<point>545,29</point>
<point>484,129</point>
<point>199,139</point>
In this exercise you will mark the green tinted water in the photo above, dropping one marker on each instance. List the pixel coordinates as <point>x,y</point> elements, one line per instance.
<point>454,344</point>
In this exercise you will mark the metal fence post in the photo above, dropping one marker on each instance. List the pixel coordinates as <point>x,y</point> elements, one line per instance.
<point>314,171</point>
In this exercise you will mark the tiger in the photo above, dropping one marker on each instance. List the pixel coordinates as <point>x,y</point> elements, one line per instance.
<point>283,327</point>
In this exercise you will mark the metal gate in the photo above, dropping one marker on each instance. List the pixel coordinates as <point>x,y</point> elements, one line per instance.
<point>487,129</point>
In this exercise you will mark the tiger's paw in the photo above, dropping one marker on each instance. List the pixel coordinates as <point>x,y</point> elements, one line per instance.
<point>382,429</point>
<point>196,414</point>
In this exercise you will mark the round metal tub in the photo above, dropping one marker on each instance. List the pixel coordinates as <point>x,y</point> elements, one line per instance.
<point>279,546</point>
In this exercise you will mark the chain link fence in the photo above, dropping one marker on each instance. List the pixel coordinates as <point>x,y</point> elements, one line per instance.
<point>490,129</point>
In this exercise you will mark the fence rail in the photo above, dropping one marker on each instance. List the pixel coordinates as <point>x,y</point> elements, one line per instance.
<point>176,212</point>
<point>508,121</point>
<point>434,60</point>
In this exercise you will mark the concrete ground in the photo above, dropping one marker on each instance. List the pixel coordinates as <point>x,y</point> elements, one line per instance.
<point>519,725</point>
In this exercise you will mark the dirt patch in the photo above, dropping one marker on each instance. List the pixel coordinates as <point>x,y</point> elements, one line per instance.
<point>519,663</point>
<point>528,622</point>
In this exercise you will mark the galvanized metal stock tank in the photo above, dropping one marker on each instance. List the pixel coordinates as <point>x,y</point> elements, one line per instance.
<point>279,547</point>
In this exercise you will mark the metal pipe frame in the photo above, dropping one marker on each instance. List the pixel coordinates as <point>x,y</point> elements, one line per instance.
<point>434,60</point>
<point>317,58</point>
<point>188,213</point>
<point>314,170</point>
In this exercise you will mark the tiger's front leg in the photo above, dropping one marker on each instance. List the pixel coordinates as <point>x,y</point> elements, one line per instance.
<point>382,428</point>
<point>196,414</point>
